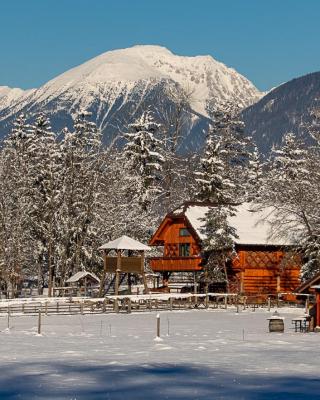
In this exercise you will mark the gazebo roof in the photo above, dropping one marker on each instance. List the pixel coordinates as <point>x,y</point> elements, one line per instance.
<point>82,274</point>
<point>124,243</point>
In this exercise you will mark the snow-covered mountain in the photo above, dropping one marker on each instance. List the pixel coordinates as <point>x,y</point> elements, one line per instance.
<point>8,96</point>
<point>118,84</point>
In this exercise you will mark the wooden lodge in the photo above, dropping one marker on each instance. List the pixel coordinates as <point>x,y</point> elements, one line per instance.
<point>262,266</point>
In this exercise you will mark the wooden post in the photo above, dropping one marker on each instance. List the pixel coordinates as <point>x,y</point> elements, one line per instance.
<point>81,307</point>
<point>85,287</point>
<point>104,305</point>
<point>118,270</point>
<point>307,305</point>
<point>129,306</point>
<point>158,325</point>
<point>116,305</point>
<point>318,309</point>
<point>195,288</point>
<point>146,289</point>
<point>53,285</point>
<point>39,322</point>
<point>278,284</point>
<point>269,303</point>
<point>129,283</point>
<point>46,308</point>
<point>244,302</point>
<point>207,301</point>
<point>8,321</point>
<point>225,302</point>
<point>171,303</point>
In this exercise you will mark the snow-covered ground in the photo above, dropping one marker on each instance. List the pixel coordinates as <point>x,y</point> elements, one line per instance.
<point>204,354</point>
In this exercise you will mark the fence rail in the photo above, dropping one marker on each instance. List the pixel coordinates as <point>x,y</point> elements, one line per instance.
<point>132,303</point>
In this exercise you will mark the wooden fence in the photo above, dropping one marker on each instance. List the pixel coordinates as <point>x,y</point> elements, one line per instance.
<point>133,303</point>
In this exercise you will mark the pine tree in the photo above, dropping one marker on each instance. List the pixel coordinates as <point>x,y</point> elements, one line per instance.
<point>290,190</point>
<point>43,182</point>
<point>15,241</point>
<point>83,188</point>
<point>219,243</point>
<point>254,175</point>
<point>144,159</point>
<point>214,185</point>
<point>221,181</point>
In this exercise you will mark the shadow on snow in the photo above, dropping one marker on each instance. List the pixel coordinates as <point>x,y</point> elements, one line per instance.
<point>158,381</point>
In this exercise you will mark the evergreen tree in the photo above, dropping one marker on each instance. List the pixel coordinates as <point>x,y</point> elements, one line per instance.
<point>144,159</point>
<point>16,244</point>
<point>219,244</point>
<point>254,175</point>
<point>43,192</point>
<point>82,191</point>
<point>213,182</point>
<point>290,190</point>
<point>221,181</point>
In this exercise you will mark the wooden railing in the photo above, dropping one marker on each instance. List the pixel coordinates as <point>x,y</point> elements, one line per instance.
<point>159,264</point>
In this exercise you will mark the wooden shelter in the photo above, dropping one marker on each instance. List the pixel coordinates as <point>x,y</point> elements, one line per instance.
<point>124,262</point>
<point>262,266</point>
<point>84,280</point>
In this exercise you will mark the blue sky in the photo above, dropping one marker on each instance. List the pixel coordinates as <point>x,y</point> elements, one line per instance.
<point>268,41</point>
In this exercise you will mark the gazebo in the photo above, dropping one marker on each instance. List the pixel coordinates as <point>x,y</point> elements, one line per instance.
<point>124,262</point>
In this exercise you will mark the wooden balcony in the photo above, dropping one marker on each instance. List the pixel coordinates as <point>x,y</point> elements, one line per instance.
<point>179,264</point>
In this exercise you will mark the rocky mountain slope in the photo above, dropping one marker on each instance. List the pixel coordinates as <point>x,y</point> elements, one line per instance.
<point>284,109</point>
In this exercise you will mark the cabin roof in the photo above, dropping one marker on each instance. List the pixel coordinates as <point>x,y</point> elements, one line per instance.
<point>124,243</point>
<point>83,274</point>
<point>252,227</point>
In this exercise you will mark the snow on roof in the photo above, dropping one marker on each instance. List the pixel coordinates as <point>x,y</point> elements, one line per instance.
<point>253,227</point>
<point>82,274</point>
<point>124,243</point>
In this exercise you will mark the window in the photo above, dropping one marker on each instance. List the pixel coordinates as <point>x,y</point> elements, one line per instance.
<point>184,249</point>
<point>184,232</point>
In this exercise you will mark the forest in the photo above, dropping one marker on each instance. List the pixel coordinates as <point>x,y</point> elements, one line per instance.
<point>63,194</point>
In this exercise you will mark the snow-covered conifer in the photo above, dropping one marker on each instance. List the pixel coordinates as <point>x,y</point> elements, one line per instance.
<point>82,189</point>
<point>144,158</point>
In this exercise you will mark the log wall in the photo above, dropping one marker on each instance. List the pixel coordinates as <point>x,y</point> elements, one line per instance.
<point>266,271</point>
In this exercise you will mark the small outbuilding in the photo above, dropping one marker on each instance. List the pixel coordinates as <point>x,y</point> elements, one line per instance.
<point>84,280</point>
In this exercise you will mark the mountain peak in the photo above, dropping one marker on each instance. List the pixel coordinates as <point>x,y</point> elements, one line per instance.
<point>115,86</point>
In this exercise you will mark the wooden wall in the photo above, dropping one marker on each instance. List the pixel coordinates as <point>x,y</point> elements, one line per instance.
<point>262,270</point>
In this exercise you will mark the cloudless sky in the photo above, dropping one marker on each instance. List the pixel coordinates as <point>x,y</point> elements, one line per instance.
<point>268,41</point>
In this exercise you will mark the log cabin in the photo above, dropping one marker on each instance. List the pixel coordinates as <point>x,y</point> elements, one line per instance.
<point>261,265</point>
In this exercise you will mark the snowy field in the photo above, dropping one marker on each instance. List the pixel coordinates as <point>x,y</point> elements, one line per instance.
<point>208,354</point>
